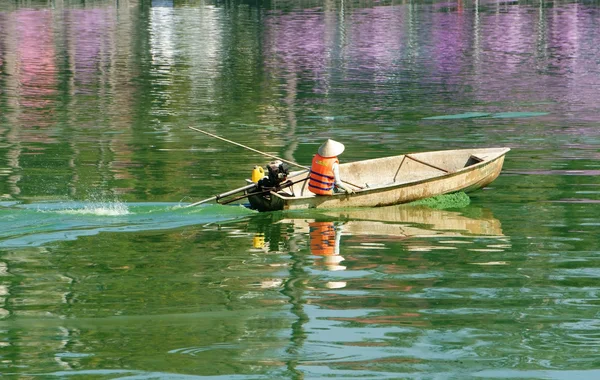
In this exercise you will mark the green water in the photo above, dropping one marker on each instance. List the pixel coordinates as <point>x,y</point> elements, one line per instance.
<point>104,274</point>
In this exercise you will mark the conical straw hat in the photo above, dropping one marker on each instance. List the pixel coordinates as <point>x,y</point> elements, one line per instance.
<point>331,148</point>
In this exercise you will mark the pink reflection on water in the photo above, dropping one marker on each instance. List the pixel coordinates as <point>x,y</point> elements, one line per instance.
<point>313,43</point>
<point>376,37</point>
<point>36,65</point>
<point>573,42</point>
<point>296,42</point>
<point>452,41</point>
<point>91,32</point>
<point>510,39</point>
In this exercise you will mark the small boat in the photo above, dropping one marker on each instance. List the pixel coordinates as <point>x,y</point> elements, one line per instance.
<point>389,180</point>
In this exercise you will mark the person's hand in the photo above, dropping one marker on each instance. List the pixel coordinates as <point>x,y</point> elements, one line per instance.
<point>348,190</point>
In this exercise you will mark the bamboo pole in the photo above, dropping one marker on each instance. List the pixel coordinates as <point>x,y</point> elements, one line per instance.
<point>252,149</point>
<point>259,152</point>
<point>247,187</point>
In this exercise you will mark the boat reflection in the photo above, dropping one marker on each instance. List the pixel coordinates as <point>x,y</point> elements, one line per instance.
<point>339,238</point>
<point>404,221</point>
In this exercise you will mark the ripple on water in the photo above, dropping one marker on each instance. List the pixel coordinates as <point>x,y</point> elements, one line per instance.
<point>194,351</point>
<point>72,355</point>
<point>562,274</point>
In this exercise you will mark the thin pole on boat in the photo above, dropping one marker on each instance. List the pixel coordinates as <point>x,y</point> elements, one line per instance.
<point>263,153</point>
<point>252,149</point>
<point>247,187</point>
<point>285,185</point>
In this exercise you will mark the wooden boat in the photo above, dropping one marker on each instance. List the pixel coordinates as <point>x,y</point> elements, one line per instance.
<point>391,180</point>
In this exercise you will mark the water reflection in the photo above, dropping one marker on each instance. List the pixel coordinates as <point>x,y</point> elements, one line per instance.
<point>98,96</point>
<point>354,240</point>
<point>357,279</point>
<point>408,225</point>
<point>393,289</point>
<point>325,240</point>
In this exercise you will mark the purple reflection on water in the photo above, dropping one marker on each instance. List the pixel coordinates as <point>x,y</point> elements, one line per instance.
<point>508,39</point>
<point>36,63</point>
<point>452,42</point>
<point>296,42</point>
<point>35,70</point>
<point>90,33</point>
<point>2,43</point>
<point>315,44</point>
<point>376,37</point>
<point>498,54</point>
<point>572,43</point>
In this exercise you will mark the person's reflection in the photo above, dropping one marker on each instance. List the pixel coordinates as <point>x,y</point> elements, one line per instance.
<point>325,242</point>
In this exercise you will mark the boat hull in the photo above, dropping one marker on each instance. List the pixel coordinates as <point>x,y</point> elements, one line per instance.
<point>268,202</point>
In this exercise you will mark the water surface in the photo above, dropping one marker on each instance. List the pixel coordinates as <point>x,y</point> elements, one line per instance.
<point>104,273</point>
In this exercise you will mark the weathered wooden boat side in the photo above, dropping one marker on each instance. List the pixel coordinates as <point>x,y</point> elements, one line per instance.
<point>394,180</point>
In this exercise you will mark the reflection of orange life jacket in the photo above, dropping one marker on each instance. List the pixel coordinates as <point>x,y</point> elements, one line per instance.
<point>322,179</point>
<point>322,238</point>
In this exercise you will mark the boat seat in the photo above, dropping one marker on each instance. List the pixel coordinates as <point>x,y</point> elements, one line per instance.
<point>473,160</point>
<point>285,193</point>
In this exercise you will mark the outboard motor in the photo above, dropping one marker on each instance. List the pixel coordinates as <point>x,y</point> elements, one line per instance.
<point>261,198</point>
<point>277,174</point>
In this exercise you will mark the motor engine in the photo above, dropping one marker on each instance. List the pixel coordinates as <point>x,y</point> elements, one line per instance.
<point>277,174</point>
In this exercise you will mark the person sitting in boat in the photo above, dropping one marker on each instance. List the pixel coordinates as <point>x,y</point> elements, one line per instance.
<point>324,171</point>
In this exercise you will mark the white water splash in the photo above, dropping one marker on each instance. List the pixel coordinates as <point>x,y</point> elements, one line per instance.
<point>100,209</point>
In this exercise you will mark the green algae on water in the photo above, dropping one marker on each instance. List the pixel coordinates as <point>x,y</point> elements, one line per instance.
<point>500,115</point>
<point>445,201</point>
<point>508,115</point>
<point>466,115</point>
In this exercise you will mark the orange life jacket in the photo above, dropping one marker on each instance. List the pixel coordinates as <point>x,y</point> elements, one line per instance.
<point>322,238</point>
<point>322,180</point>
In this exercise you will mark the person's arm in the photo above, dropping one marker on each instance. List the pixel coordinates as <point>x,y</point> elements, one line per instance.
<point>338,180</point>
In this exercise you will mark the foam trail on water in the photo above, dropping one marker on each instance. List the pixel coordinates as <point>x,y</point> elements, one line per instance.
<point>33,225</point>
<point>100,209</point>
